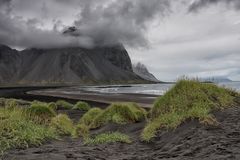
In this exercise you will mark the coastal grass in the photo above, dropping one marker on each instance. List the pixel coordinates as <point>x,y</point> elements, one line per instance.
<point>188,99</point>
<point>52,106</point>
<point>119,113</point>
<point>89,116</point>
<point>36,102</point>
<point>104,138</point>
<point>62,124</point>
<point>2,102</point>
<point>62,104</point>
<point>40,113</point>
<point>12,103</point>
<point>81,130</point>
<point>17,131</point>
<point>82,106</point>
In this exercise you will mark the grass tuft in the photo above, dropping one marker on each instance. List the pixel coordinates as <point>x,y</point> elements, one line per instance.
<point>120,113</point>
<point>108,138</point>
<point>61,104</point>
<point>62,124</point>
<point>10,103</point>
<point>40,113</point>
<point>16,131</point>
<point>52,106</point>
<point>82,106</point>
<point>2,102</point>
<point>13,103</point>
<point>81,130</point>
<point>188,99</point>
<point>88,117</point>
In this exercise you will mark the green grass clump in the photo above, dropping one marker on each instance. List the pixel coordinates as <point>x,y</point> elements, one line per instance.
<point>83,127</point>
<point>120,113</point>
<point>2,102</point>
<point>16,131</point>
<point>81,130</point>
<point>82,106</point>
<point>52,106</point>
<point>62,124</point>
<point>40,113</point>
<point>88,117</point>
<point>36,102</point>
<point>188,99</point>
<point>10,103</point>
<point>61,104</point>
<point>108,138</point>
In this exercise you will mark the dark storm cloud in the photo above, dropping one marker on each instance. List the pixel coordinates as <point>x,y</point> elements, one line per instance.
<point>99,22</point>
<point>5,5</point>
<point>203,3</point>
<point>16,32</point>
<point>124,21</point>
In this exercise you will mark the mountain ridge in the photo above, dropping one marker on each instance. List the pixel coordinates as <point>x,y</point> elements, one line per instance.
<point>73,65</point>
<point>141,70</point>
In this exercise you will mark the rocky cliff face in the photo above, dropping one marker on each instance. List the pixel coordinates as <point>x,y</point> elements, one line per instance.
<point>142,71</point>
<point>66,66</point>
<point>9,63</point>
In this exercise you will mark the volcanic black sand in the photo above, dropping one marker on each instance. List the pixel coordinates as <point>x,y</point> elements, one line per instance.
<point>51,94</point>
<point>144,100</point>
<point>21,93</point>
<point>190,141</point>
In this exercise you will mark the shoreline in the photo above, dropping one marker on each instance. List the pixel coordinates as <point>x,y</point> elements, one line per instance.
<point>144,100</point>
<point>189,139</point>
<point>54,93</point>
<point>21,93</point>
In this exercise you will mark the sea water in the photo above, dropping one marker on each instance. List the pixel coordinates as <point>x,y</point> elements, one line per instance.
<point>155,89</point>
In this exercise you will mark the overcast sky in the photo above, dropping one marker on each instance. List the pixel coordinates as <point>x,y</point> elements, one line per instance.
<point>171,37</point>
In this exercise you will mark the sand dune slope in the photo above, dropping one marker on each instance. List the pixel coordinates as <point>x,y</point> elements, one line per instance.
<point>191,140</point>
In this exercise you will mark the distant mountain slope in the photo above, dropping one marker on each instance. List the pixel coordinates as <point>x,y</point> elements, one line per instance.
<point>141,70</point>
<point>216,79</point>
<point>66,66</point>
<point>9,63</point>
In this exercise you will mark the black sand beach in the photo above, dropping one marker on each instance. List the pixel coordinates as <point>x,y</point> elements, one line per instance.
<point>190,141</point>
<point>144,100</point>
<point>51,94</point>
<point>21,93</point>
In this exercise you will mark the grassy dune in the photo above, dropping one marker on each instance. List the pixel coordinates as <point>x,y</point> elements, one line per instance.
<point>24,124</point>
<point>17,131</point>
<point>120,113</point>
<point>188,99</point>
<point>37,122</point>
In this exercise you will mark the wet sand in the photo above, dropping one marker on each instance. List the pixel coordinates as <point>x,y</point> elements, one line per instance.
<point>190,141</point>
<point>144,100</point>
<point>21,93</point>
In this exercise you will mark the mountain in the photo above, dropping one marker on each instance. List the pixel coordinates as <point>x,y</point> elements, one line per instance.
<point>141,70</point>
<point>9,63</point>
<point>216,79</point>
<point>66,66</point>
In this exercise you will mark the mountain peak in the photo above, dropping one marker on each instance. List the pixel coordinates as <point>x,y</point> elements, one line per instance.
<point>72,65</point>
<point>141,70</point>
<point>72,31</point>
<point>4,47</point>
